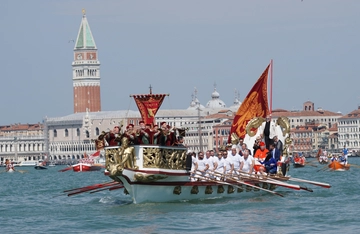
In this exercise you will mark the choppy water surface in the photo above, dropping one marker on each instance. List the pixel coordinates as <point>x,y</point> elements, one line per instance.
<point>30,203</point>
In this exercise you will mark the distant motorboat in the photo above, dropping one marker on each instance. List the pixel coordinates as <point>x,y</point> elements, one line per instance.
<point>41,165</point>
<point>27,163</point>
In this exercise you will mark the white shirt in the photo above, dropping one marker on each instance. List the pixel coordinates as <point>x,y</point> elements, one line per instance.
<point>194,160</point>
<point>236,160</point>
<point>220,165</point>
<point>201,164</point>
<point>227,163</point>
<point>210,161</point>
<point>247,163</point>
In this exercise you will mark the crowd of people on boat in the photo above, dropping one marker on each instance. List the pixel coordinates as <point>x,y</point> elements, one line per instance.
<point>342,158</point>
<point>234,160</point>
<point>163,135</point>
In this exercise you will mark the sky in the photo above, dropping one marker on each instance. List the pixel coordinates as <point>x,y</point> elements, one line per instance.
<point>175,46</point>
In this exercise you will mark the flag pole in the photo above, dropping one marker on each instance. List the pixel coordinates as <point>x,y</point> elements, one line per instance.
<point>271,82</point>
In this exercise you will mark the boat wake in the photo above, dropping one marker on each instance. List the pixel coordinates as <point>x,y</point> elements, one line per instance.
<point>115,200</point>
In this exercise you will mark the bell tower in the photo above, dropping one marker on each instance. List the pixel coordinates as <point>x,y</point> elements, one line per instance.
<point>86,71</point>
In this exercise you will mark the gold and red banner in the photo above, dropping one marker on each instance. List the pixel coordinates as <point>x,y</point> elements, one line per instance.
<point>148,105</point>
<point>254,105</point>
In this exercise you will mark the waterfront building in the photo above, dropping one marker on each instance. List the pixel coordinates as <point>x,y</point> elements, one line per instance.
<point>22,142</point>
<point>349,130</point>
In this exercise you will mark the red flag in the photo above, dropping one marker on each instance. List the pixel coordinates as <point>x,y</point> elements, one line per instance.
<point>148,105</point>
<point>254,105</point>
<point>96,154</point>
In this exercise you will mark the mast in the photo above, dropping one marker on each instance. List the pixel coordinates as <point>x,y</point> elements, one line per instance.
<point>271,81</point>
<point>200,133</point>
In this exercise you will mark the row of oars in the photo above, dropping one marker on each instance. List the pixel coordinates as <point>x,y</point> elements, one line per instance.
<point>252,179</point>
<point>112,185</point>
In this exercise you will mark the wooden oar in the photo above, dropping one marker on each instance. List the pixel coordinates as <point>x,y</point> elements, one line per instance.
<point>323,169</point>
<point>90,186</point>
<point>324,185</point>
<point>239,182</point>
<point>310,164</point>
<point>265,179</point>
<point>87,190</point>
<point>111,188</point>
<point>354,165</point>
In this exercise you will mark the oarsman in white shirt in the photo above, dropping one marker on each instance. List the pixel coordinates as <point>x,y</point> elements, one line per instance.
<point>219,165</point>
<point>201,166</point>
<point>247,162</point>
<point>210,161</point>
<point>228,163</point>
<point>236,161</point>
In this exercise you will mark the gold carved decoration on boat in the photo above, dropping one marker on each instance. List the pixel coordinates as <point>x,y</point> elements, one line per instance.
<point>165,158</point>
<point>220,189</point>
<point>177,190</point>
<point>240,189</point>
<point>253,125</point>
<point>148,178</point>
<point>248,188</point>
<point>265,185</point>
<point>208,190</point>
<point>194,189</point>
<point>230,189</point>
<point>284,123</point>
<point>116,159</point>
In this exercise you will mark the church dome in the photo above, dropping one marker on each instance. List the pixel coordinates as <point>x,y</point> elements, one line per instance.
<point>195,103</point>
<point>215,101</point>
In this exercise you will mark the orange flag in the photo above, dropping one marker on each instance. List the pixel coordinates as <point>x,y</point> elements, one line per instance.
<point>254,105</point>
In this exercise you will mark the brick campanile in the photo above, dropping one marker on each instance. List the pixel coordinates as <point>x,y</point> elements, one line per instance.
<point>86,71</point>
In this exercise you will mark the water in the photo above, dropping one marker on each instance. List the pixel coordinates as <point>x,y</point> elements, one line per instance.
<point>29,203</point>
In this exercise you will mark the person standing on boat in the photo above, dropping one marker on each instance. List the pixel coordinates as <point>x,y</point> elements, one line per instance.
<point>143,134</point>
<point>256,145</point>
<point>130,134</point>
<point>278,144</point>
<point>247,163</point>
<point>267,131</point>
<point>345,150</point>
<point>111,137</point>
<point>156,134</point>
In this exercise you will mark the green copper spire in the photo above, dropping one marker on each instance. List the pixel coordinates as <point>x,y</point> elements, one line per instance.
<point>85,39</point>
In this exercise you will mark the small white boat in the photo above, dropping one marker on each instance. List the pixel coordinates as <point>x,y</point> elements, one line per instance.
<point>10,170</point>
<point>52,164</point>
<point>28,163</point>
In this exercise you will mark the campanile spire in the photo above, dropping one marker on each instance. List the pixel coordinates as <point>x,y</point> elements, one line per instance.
<point>86,70</point>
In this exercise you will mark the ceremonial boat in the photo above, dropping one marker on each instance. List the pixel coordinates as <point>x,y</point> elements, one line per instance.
<point>162,173</point>
<point>41,165</point>
<point>338,166</point>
